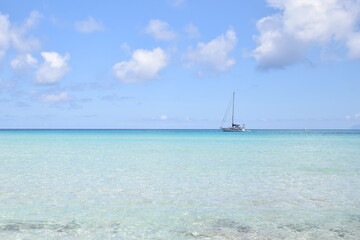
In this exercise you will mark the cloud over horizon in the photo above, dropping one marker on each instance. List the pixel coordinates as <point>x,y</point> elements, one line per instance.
<point>286,37</point>
<point>215,53</point>
<point>61,97</point>
<point>23,61</point>
<point>160,30</point>
<point>88,26</point>
<point>144,65</point>
<point>53,69</point>
<point>12,35</point>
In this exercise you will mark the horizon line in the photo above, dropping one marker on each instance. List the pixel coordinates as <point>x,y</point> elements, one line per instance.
<point>304,129</point>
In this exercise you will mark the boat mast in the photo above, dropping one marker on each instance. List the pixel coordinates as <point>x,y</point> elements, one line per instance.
<point>232,123</point>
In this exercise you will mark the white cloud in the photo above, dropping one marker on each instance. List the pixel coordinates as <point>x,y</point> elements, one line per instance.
<point>348,117</point>
<point>32,20</point>
<point>144,65</point>
<point>23,62</point>
<point>61,97</point>
<point>13,35</point>
<point>53,69</point>
<point>160,30</point>
<point>357,116</point>
<point>89,25</point>
<point>20,43</point>
<point>286,37</point>
<point>192,31</point>
<point>25,45</point>
<point>163,117</point>
<point>276,49</point>
<point>4,34</point>
<point>353,43</point>
<point>215,53</point>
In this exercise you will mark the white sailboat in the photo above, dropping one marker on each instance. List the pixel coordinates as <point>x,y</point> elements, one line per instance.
<point>234,127</point>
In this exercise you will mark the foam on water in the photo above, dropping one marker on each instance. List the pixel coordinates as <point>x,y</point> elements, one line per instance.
<point>172,184</point>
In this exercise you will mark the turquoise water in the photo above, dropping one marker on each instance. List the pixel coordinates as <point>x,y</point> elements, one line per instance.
<point>174,184</point>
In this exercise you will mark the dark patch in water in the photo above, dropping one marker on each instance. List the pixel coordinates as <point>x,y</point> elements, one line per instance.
<point>354,217</point>
<point>37,226</point>
<point>340,232</point>
<point>115,227</point>
<point>10,227</point>
<point>68,227</point>
<point>299,227</point>
<point>231,224</point>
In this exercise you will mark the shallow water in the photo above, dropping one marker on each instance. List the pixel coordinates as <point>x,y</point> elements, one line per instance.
<point>179,184</point>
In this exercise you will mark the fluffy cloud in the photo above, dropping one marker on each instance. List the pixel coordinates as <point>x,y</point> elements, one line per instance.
<point>160,30</point>
<point>4,34</point>
<point>215,53</point>
<point>23,62</point>
<point>144,65</point>
<point>53,69</point>
<point>89,25</point>
<point>13,35</point>
<point>164,117</point>
<point>353,43</point>
<point>21,43</point>
<point>61,97</point>
<point>286,37</point>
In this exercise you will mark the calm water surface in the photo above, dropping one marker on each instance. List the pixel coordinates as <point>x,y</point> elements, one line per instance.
<point>174,184</point>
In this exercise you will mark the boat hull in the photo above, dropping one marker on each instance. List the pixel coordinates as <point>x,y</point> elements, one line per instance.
<point>232,129</point>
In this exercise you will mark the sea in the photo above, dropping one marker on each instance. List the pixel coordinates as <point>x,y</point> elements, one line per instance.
<point>179,184</point>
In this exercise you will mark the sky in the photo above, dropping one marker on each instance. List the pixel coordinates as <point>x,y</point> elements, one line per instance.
<point>174,64</point>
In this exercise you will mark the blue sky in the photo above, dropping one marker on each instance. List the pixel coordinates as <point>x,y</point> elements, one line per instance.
<point>175,63</point>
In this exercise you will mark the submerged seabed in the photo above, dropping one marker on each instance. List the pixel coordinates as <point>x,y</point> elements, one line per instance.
<point>173,184</point>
